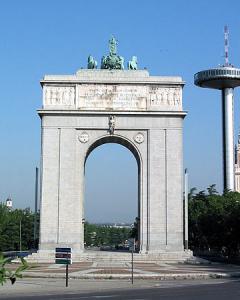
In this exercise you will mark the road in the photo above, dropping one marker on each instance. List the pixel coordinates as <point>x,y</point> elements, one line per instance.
<point>194,290</point>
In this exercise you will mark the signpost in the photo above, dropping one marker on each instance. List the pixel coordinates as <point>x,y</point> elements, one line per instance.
<point>186,210</point>
<point>63,256</point>
<point>131,243</point>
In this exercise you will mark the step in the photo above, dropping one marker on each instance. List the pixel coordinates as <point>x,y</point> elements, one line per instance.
<point>100,256</point>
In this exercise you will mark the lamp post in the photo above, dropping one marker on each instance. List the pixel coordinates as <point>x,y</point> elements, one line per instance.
<point>186,210</point>
<point>35,211</point>
<point>20,235</point>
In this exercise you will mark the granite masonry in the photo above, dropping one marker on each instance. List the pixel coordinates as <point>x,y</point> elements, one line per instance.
<point>141,112</point>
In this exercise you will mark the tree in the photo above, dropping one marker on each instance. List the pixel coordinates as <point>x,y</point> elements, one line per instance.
<point>212,190</point>
<point>10,222</point>
<point>214,221</point>
<point>6,274</point>
<point>100,235</point>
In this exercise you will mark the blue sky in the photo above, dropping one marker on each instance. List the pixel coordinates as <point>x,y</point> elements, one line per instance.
<point>56,37</point>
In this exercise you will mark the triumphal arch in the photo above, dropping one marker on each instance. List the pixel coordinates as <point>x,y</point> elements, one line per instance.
<point>111,105</point>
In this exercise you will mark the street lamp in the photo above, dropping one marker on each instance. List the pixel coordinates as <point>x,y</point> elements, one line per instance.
<point>36,208</point>
<point>20,235</point>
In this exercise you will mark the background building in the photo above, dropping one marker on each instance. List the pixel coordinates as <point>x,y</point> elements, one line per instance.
<point>9,203</point>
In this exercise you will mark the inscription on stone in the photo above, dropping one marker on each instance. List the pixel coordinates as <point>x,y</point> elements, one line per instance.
<point>57,96</point>
<point>128,97</point>
<point>122,97</point>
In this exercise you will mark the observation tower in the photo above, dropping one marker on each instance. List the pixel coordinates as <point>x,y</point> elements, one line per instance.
<point>224,78</point>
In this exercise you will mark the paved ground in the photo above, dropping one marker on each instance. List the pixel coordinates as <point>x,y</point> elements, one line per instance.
<point>151,281</point>
<point>116,270</point>
<point>47,289</point>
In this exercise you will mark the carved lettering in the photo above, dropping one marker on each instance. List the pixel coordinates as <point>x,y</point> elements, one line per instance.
<point>123,97</point>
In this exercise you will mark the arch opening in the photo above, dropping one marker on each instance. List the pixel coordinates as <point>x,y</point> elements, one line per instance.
<point>112,194</point>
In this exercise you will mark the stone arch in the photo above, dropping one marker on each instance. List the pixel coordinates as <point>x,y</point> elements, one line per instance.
<point>118,139</point>
<point>151,131</point>
<point>125,142</point>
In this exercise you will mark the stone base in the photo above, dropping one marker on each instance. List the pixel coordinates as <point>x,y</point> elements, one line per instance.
<point>45,256</point>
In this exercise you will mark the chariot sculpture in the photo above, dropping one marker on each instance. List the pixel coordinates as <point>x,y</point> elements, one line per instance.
<point>112,60</point>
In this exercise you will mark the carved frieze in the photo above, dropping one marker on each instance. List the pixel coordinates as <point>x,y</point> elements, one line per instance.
<point>114,97</point>
<point>165,97</point>
<point>59,96</point>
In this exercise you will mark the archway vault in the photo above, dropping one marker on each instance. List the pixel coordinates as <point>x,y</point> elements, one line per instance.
<point>117,139</point>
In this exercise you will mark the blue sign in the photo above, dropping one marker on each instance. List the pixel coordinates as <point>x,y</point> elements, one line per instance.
<point>63,256</point>
<point>64,250</point>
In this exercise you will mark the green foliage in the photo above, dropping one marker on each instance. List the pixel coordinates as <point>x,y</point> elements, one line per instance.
<point>6,274</point>
<point>10,228</point>
<point>214,221</point>
<point>99,235</point>
<point>134,233</point>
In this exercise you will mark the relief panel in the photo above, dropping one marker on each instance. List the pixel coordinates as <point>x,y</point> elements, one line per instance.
<point>59,96</point>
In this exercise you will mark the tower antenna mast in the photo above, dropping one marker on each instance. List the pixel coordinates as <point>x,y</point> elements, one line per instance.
<point>224,78</point>
<point>226,46</point>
